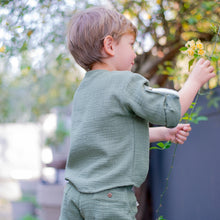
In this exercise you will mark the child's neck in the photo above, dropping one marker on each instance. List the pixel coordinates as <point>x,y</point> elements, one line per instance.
<point>103,66</point>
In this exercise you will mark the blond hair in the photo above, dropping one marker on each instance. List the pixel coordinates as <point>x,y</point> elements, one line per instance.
<point>88,29</point>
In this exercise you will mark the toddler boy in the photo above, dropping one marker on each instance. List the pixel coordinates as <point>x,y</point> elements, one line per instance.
<point>112,109</point>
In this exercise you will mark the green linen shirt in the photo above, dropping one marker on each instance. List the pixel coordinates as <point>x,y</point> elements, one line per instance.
<point>110,129</point>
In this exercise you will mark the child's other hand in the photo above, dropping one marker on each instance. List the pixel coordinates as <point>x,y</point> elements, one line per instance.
<point>202,72</point>
<point>179,134</point>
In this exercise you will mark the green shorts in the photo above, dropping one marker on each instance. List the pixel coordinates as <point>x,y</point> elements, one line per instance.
<point>113,204</point>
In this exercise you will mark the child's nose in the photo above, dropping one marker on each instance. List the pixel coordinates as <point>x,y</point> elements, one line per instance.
<point>135,55</point>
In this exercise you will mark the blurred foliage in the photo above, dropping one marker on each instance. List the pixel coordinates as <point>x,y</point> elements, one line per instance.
<point>60,134</point>
<point>169,22</point>
<point>194,117</point>
<point>29,217</point>
<point>29,199</point>
<point>36,72</point>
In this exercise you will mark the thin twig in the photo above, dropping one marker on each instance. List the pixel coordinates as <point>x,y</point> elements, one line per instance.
<point>173,157</point>
<point>215,43</point>
<point>167,181</point>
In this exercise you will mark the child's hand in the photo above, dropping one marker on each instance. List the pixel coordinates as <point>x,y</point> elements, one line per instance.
<point>179,134</point>
<point>202,72</point>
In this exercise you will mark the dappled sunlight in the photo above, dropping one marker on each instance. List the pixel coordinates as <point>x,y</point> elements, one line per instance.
<point>23,167</point>
<point>47,155</point>
<point>49,123</point>
<point>19,161</point>
<point>20,150</point>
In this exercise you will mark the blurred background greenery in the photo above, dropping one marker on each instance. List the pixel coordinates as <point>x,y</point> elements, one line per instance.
<point>36,71</point>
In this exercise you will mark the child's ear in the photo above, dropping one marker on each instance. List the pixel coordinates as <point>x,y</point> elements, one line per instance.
<point>108,45</point>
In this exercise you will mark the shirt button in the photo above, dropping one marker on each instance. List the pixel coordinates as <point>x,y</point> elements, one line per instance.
<point>109,195</point>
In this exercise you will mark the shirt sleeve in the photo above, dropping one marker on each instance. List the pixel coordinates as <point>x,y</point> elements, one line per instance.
<point>157,106</point>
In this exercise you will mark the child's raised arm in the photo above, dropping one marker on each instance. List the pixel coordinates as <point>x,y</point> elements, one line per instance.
<point>201,73</point>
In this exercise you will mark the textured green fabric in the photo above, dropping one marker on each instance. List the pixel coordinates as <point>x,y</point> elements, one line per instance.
<point>110,129</point>
<point>112,204</point>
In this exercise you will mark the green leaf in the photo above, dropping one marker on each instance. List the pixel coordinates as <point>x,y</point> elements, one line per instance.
<point>186,116</point>
<point>208,5</point>
<point>24,47</point>
<point>202,118</point>
<point>160,144</point>
<point>169,69</point>
<point>167,145</point>
<point>186,5</point>
<point>4,2</point>
<point>161,218</point>
<point>192,105</point>
<point>155,148</point>
<point>214,28</point>
<point>183,48</point>
<point>190,64</point>
<point>192,20</point>
<point>214,58</point>
<point>214,101</point>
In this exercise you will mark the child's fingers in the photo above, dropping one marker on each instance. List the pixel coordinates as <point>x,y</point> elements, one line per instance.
<point>207,63</point>
<point>182,135</point>
<point>187,128</point>
<point>180,139</point>
<point>211,69</point>
<point>212,74</point>
<point>181,126</point>
<point>201,61</point>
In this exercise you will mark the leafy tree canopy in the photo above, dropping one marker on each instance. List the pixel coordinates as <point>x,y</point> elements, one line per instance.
<point>36,71</point>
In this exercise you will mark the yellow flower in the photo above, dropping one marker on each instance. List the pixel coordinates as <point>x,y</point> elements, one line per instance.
<point>191,44</point>
<point>193,47</point>
<point>2,49</point>
<point>148,16</point>
<point>199,44</point>
<point>201,52</point>
<point>158,2</point>
<point>190,52</point>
